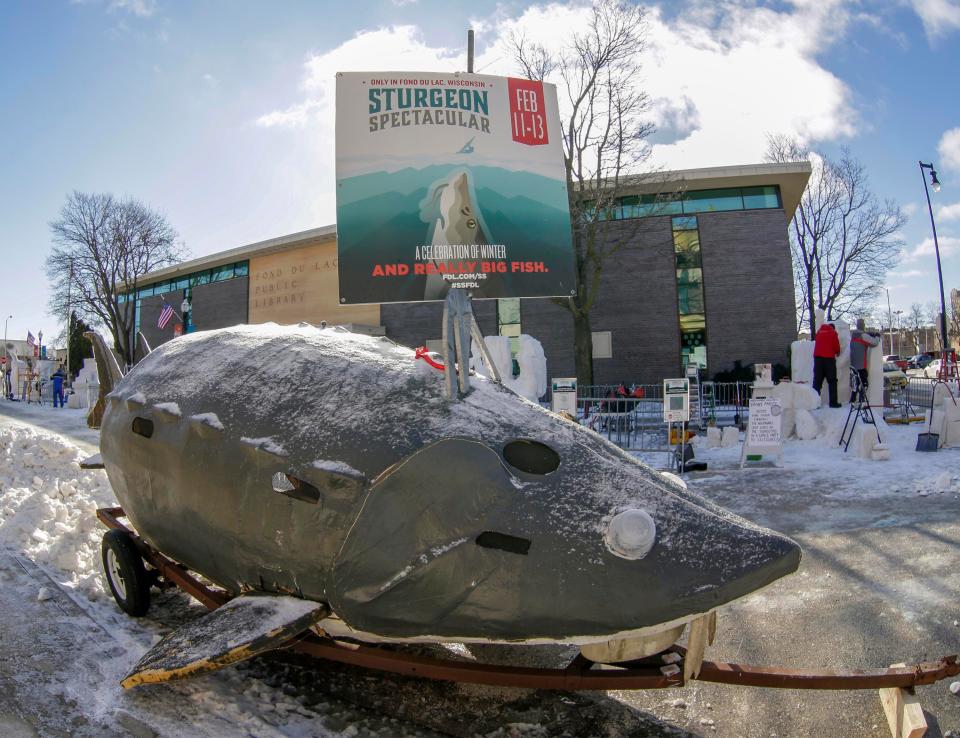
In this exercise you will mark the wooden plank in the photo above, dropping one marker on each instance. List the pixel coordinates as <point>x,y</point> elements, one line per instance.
<point>903,710</point>
<point>696,645</point>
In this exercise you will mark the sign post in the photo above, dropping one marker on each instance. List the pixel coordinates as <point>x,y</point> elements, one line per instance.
<point>764,426</point>
<point>676,409</point>
<point>563,395</point>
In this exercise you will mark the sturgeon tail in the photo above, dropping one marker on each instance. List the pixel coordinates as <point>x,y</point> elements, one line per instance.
<point>108,370</point>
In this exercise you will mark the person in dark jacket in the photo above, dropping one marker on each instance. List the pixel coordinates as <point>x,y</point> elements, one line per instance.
<point>860,344</point>
<point>826,348</point>
<point>58,387</point>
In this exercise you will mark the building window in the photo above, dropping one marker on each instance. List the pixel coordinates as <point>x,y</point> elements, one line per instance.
<point>694,201</point>
<point>602,344</point>
<point>690,303</point>
<point>186,283</point>
<point>710,201</point>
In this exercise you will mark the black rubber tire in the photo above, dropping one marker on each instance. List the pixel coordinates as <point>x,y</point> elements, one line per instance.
<point>133,592</point>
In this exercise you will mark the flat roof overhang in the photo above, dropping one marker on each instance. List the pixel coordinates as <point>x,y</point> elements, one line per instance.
<point>791,177</point>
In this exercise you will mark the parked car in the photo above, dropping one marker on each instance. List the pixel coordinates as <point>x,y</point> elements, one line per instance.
<point>893,378</point>
<point>919,361</point>
<point>932,369</point>
<point>895,359</point>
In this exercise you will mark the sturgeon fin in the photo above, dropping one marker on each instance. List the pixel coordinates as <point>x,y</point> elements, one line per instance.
<point>92,462</point>
<point>108,370</point>
<point>246,626</point>
<point>144,345</point>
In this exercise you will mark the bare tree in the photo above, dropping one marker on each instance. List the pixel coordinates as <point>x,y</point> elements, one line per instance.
<point>604,131</point>
<point>843,238</point>
<point>932,312</point>
<point>915,320</point>
<point>102,246</point>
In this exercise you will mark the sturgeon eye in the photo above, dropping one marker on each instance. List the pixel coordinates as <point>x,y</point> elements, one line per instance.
<point>471,223</point>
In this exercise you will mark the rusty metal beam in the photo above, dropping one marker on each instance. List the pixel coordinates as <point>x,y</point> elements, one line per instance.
<point>766,676</point>
<point>571,679</point>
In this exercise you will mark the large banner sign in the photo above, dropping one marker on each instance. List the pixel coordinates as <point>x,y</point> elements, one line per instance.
<point>450,181</point>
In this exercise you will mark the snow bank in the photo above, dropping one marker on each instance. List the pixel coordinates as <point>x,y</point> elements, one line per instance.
<point>48,505</point>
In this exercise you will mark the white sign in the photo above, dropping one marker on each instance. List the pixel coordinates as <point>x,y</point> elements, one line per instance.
<point>764,431</point>
<point>564,395</point>
<point>676,400</point>
<point>450,180</point>
<point>766,419</point>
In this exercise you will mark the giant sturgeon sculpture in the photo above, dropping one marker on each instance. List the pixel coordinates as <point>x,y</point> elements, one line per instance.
<point>316,464</point>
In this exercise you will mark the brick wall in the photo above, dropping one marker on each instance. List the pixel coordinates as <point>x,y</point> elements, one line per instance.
<point>748,287</point>
<point>214,305</point>
<point>220,304</point>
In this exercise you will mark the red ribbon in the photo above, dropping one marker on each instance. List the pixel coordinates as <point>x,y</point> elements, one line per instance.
<point>422,353</point>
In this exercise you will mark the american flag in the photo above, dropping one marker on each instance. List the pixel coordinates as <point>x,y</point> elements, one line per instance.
<point>165,316</point>
<point>30,339</point>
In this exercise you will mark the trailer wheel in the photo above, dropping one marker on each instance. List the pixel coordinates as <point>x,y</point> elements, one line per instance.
<point>126,575</point>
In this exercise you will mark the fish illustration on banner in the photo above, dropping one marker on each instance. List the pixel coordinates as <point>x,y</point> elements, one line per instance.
<point>450,181</point>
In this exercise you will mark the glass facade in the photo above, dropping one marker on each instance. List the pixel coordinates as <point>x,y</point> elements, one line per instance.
<point>186,282</point>
<point>696,201</point>
<point>691,306</point>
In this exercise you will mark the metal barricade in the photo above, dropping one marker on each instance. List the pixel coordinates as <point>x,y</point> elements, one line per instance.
<point>634,420</point>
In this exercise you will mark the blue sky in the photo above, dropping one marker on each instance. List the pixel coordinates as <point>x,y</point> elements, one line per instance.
<point>219,112</point>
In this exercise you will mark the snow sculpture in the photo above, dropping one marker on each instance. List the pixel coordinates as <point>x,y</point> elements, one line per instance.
<point>532,380</point>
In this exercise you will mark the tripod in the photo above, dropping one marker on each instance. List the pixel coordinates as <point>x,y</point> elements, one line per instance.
<point>858,410</point>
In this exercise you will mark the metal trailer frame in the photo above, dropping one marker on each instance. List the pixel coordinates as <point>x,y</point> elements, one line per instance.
<point>579,674</point>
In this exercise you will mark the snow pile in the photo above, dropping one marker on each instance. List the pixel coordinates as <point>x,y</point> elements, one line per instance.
<point>171,408</point>
<point>48,505</point>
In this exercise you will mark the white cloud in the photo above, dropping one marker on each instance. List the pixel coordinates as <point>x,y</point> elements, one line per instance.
<point>949,148</point>
<point>939,17</point>
<point>211,80</point>
<point>949,212</point>
<point>949,245</point>
<point>910,209</point>
<point>399,48</point>
<point>720,82</point>
<point>141,8</point>
<point>752,72</point>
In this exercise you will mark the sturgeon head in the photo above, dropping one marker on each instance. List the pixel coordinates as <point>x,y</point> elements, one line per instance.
<point>457,218</point>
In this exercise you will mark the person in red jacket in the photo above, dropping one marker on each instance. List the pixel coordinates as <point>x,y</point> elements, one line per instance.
<point>826,347</point>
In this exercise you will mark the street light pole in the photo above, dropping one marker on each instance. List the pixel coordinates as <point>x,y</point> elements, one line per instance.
<point>935,183</point>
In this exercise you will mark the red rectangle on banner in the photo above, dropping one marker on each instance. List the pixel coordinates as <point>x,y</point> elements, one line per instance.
<point>528,119</point>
